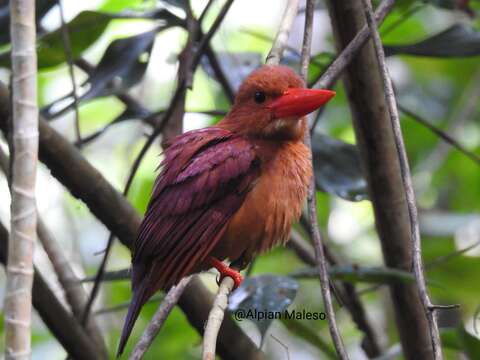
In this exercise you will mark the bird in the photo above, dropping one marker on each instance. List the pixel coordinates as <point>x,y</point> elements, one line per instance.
<point>228,191</point>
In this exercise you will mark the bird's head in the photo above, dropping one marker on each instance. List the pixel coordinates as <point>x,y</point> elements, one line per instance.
<point>272,103</point>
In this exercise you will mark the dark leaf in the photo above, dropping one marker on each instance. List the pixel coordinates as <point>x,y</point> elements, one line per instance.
<point>123,65</point>
<point>265,293</point>
<point>460,40</point>
<point>337,168</point>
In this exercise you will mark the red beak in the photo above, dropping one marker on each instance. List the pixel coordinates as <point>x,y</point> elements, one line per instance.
<point>298,102</point>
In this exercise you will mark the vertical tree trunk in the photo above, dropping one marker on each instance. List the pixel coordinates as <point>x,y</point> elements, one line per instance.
<point>24,151</point>
<point>380,160</point>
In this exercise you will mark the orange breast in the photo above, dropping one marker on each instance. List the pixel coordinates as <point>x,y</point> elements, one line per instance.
<point>271,207</point>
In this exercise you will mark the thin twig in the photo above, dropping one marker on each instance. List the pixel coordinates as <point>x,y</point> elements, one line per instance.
<point>24,155</point>
<point>205,11</point>
<point>209,35</point>
<point>312,203</point>
<point>67,47</point>
<point>407,183</point>
<point>440,133</point>
<point>158,319</point>
<point>464,111</point>
<point>281,39</point>
<point>215,318</point>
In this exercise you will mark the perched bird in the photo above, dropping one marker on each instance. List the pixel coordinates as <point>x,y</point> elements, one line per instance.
<point>231,190</point>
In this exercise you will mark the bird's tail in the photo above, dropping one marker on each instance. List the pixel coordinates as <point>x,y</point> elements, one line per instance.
<point>140,296</point>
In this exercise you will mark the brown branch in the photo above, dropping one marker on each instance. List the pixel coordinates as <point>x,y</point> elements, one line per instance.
<point>283,33</point>
<point>158,319</point>
<point>215,318</point>
<point>314,230</point>
<point>86,183</point>
<point>407,183</point>
<point>24,150</point>
<point>376,142</point>
<point>62,325</point>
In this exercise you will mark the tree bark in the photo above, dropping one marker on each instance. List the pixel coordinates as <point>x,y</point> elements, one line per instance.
<point>375,139</point>
<point>24,150</point>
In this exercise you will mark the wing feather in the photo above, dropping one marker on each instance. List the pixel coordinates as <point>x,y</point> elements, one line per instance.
<point>204,179</point>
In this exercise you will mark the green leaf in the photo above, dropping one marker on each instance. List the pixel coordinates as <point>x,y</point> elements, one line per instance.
<point>83,30</point>
<point>461,340</point>
<point>460,40</point>
<point>318,64</point>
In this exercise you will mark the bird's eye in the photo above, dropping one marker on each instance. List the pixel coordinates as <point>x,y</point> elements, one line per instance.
<point>259,97</point>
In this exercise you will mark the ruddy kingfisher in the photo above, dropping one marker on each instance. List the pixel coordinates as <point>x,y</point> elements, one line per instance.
<point>228,191</point>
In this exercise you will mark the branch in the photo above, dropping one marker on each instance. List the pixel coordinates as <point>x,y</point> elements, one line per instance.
<point>86,183</point>
<point>283,33</point>
<point>62,325</point>
<point>215,318</point>
<point>321,262</point>
<point>24,147</point>
<point>375,139</point>
<point>407,184</point>
<point>158,319</point>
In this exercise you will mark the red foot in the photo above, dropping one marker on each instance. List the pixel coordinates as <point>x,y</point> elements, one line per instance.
<point>224,270</point>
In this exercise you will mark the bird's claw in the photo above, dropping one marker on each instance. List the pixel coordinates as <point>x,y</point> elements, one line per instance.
<point>225,270</point>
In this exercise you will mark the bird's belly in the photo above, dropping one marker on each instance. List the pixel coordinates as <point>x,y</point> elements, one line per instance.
<point>268,212</point>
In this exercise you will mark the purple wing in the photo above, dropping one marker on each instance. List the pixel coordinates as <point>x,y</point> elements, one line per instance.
<point>205,177</point>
